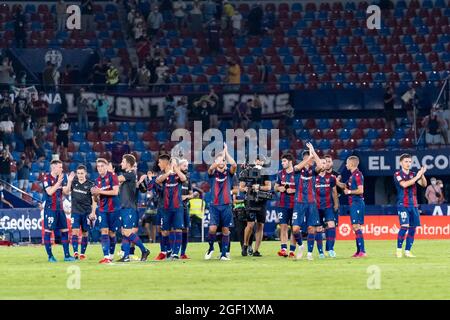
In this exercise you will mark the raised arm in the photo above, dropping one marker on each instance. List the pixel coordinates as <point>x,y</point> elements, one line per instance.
<point>230,159</point>
<point>68,188</point>
<point>302,164</point>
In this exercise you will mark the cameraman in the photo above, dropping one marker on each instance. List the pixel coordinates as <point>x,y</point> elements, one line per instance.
<point>239,214</point>
<point>256,208</point>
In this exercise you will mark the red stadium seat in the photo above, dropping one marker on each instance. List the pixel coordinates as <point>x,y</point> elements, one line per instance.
<point>386,134</point>
<point>337,124</point>
<point>310,124</point>
<point>317,134</point>
<point>331,134</point>
<point>98,147</point>
<point>350,144</point>
<point>106,137</point>
<point>378,144</point>
<point>364,124</point>
<point>337,144</point>
<point>92,136</point>
<point>358,133</point>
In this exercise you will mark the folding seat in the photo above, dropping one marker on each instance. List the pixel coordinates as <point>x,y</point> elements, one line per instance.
<point>337,144</point>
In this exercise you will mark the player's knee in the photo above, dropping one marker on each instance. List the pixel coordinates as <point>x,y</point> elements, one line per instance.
<point>319,229</point>
<point>331,224</point>
<point>356,227</point>
<point>295,229</point>
<point>311,230</point>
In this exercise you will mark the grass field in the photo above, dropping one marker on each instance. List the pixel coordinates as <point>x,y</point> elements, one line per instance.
<point>25,274</point>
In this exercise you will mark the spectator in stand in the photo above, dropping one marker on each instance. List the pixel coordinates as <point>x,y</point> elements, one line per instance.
<point>143,48</point>
<point>5,164</point>
<point>179,9</point>
<point>7,74</point>
<point>255,20</point>
<point>112,76</point>
<point>131,18</point>
<point>169,112</point>
<point>433,125</point>
<point>209,11</point>
<point>410,101</point>
<point>288,118</point>
<point>213,101</point>
<point>139,32</point>
<point>66,78</point>
<point>39,142</point>
<point>48,77</point>
<point>23,109</point>
<point>163,77</point>
<point>87,15</point>
<point>443,198</point>
<point>143,77</point>
<point>268,21</point>
<point>236,22</point>
<point>6,130</point>
<point>214,37</point>
<point>181,113</point>
<point>4,204</point>
<point>433,193</point>
<point>196,18</point>
<point>445,122</point>
<point>389,98</point>
<point>219,9</point>
<point>20,23</point>
<point>82,110</point>
<point>240,115</point>
<point>61,15</point>
<point>23,172</point>
<point>205,113</point>
<point>256,112</point>
<point>6,106</point>
<point>132,76</point>
<point>117,151</point>
<point>228,11</point>
<point>99,76</point>
<point>166,10</point>
<point>101,104</point>
<point>28,137</point>
<point>62,131</point>
<point>234,75</point>
<point>263,69</point>
<point>40,107</point>
<point>154,21</point>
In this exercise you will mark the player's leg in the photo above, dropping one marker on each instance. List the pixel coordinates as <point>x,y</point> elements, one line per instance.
<point>185,234</point>
<point>330,234</point>
<point>226,220</point>
<point>298,216</point>
<point>404,225</point>
<point>49,226</point>
<point>103,218</point>
<point>312,221</point>
<point>178,226</point>
<point>130,231</point>
<point>357,219</point>
<point>214,219</point>
<point>319,241</point>
<point>414,223</point>
<point>62,226</point>
<point>76,224</point>
<point>135,230</point>
<point>248,232</point>
<point>84,235</point>
<point>164,237</point>
<point>283,232</point>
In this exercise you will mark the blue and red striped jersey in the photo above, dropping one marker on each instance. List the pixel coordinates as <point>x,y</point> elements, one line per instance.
<point>355,180</point>
<point>406,197</point>
<point>107,183</point>
<point>286,200</point>
<point>305,183</point>
<point>221,184</point>
<point>171,192</point>
<point>55,201</point>
<point>324,190</point>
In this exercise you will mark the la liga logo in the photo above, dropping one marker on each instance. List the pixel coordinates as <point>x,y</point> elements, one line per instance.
<point>344,229</point>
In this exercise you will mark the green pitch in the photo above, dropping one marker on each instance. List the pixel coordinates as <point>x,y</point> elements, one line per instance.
<point>25,274</point>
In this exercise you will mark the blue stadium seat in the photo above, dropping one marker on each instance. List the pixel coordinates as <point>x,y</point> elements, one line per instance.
<point>297,124</point>
<point>372,134</point>
<point>35,167</point>
<point>139,146</point>
<point>305,135</point>
<point>323,124</point>
<point>91,156</point>
<point>345,134</point>
<point>365,144</point>
<point>351,124</point>
<point>133,136</point>
<point>146,156</point>
<point>183,70</point>
<point>142,166</point>
<point>297,7</point>
<point>140,127</point>
<point>124,127</point>
<point>77,157</point>
<point>399,133</point>
<point>324,144</point>
<point>78,137</point>
<point>267,124</point>
<point>118,136</point>
<point>85,147</point>
<point>162,136</point>
<point>248,60</point>
<point>344,154</point>
<point>393,143</point>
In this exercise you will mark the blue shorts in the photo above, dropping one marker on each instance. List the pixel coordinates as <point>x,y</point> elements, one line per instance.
<point>109,220</point>
<point>336,217</point>
<point>326,214</point>
<point>285,215</point>
<point>80,221</point>
<point>172,219</point>
<point>187,218</point>
<point>409,216</point>
<point>306,213</point>
<point>357,211</point>
<point>128,218</point>
<point>54,220</point>
<point>221,216</point>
